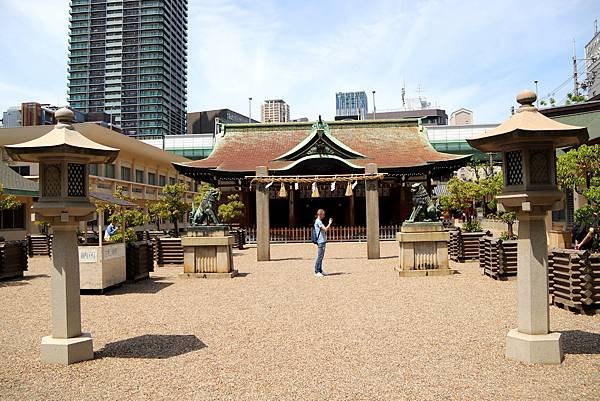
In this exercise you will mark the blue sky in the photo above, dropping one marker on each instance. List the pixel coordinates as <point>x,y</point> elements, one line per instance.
<point>473,54</point>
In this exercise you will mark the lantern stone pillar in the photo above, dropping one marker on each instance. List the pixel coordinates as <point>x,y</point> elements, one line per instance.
<point>372,206</point>
<point>263,246</point>
<point>66,344</point>
<point>64,156</point>
<point>528,141</point>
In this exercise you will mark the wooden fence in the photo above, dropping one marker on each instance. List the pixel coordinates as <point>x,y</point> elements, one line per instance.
<point>574,280</point>
<point>464,246</point>
<point>13,259</point>
<point>498,258</point>
<point>335,234</point>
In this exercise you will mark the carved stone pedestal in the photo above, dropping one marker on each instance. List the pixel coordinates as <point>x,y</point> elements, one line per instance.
<point>207,253</point>
<point>423,250</point>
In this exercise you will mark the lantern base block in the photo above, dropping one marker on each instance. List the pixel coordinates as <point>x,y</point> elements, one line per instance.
<point>545,349</point>
<point>65,351</point>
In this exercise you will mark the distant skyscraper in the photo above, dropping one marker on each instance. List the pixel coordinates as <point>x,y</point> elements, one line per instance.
<point>592,67</point>
<point>129,59</point>
<point>11,118</point>
<point>275,111</point>
<point>352,105</point>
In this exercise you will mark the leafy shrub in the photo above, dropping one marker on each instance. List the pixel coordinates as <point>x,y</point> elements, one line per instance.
<point>471,226</point>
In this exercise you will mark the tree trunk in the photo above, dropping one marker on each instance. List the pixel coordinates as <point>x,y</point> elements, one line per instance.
<point>176,227</point>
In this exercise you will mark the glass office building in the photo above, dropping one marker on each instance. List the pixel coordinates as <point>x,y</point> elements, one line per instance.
<point>128,58</point>
<point>352,105</point>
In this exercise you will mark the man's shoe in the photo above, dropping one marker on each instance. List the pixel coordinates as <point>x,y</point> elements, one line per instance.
<point>319,275</point>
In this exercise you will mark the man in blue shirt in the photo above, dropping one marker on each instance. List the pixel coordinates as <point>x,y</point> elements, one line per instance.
<point>321,231</point>
<point>111,229</point>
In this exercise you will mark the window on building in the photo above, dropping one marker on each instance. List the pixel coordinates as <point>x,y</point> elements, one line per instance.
<point>162,180</point>
<point>23,170</point>
<point>93,169</point>
<point>151,179</point>
<point>139,176</point>
<point>172,181</point>
<point>109,170</point>
<point>13,218</point>
<point>125,173</point>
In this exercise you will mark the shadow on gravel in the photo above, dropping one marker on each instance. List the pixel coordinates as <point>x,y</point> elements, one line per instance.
<point>150,285</point>
<point>241,275</point>
<point>580,342</point>
<point>151,346</point>
<point>284,259</point>
<point>19,281</point>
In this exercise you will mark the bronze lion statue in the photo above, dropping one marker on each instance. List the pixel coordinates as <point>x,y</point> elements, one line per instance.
<point>206,209</point>
<point>424,209</point>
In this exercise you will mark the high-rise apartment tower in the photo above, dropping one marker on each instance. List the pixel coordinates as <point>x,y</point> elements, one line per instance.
<point>128,58</point>
<point>275,111</point>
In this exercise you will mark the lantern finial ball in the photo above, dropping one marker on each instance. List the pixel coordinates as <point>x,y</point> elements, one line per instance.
<point>64,116</point>
<point>526,97</point>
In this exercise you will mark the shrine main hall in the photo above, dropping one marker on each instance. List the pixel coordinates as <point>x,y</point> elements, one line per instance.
<point>298,156</point>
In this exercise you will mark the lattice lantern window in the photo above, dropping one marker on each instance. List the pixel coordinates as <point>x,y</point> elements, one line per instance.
<point>76,180</point>
<point>530,167</point>
<point>62,180</point>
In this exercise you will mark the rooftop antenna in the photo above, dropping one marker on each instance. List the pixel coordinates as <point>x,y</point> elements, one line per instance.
<point>596,27</point>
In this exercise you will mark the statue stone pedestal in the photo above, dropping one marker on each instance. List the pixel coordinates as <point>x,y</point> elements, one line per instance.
<point>423,250</point>
<point>207,252</point>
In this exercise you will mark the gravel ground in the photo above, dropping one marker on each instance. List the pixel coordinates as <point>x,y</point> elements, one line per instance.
<point>279,333</point>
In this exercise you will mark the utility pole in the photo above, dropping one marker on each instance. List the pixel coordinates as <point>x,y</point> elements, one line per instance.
<point>249,110</point>
<point>575,78</point>
<point>374,108</point>
<point>537,96</point>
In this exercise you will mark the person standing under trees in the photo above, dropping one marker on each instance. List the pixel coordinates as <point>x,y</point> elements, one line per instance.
<point>111,230</point>
<point>320,238</point>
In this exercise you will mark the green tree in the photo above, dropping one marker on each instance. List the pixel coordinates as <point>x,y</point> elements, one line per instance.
<point>173,206</point>
<point>574,99</point>
<point>8,202</point>
<point>579,170</point>
<point>232,210</point>
<point>509,218</point>
<point>126,219</point>
<point>462,195</point>
<point>156,213</point>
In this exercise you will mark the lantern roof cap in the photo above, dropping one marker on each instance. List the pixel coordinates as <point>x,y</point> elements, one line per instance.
<point>527,124</point>
<point>63,139</point>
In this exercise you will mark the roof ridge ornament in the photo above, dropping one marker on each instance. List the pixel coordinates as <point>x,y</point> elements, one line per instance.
<point>526,99</point>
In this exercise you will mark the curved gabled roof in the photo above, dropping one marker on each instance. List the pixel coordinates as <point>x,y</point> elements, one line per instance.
<point>391,144</point>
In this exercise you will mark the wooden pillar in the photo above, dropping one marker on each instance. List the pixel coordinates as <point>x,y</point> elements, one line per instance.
<point>291,207</point>
<point>372,206</point>
<point>351,212</point>
<point>263,248</point>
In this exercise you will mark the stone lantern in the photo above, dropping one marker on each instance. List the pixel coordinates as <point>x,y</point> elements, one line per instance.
<point>63,155</point>
<point>527,142</point>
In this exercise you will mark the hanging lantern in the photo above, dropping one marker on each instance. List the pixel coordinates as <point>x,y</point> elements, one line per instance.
<point>333,186</point>
<point>315,190</point>
<point>349,189</point>
<point>282,191</point>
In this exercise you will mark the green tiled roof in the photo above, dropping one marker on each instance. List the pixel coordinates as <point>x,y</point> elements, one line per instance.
<point>16,184</point>
<point>590,120</point>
